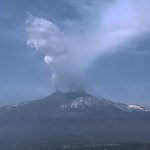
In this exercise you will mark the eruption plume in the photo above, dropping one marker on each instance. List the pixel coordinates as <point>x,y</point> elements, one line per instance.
<point>69,53</point>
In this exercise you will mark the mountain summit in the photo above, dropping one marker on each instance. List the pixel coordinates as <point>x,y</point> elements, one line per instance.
<point>68,105</point>
<point>79,100</point>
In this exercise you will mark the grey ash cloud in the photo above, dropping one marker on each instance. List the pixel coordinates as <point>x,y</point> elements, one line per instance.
<point>70,46</point>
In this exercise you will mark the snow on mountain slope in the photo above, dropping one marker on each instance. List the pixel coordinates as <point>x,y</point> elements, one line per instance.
<point>96,103</point>
<point>78,101</point>
<point>138,108</point>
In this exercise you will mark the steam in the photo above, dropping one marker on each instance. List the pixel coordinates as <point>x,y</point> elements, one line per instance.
<point>69,53</point>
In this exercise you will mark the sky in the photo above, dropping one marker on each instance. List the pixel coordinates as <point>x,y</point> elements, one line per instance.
<point>102,46</point>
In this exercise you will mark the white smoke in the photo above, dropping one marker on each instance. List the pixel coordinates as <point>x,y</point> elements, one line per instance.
<point>69,54</point>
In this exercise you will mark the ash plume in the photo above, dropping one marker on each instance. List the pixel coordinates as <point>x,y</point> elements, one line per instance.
<point>103,28</point>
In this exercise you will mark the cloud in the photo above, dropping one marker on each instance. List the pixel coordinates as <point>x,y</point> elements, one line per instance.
<point>69,53</point>
<point>44,36</point>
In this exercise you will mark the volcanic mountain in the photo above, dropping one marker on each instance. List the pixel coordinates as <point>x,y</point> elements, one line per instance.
<point>73,118</point>
<point>68,105</point>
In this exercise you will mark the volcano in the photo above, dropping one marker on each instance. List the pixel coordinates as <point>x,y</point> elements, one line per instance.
<point>73,118</point>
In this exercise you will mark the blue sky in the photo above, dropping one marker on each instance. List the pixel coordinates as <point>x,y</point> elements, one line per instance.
<point>121,74</point>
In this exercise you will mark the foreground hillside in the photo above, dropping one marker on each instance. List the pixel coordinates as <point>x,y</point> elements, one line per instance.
<point>84,147</point>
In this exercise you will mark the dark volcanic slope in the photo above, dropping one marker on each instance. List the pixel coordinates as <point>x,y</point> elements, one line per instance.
<point>74,118</point>
<point>70,105</point>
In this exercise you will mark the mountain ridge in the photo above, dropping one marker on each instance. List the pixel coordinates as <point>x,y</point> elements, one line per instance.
<point>81,99</point>
<point>83,120</point>
<point>73,105</point>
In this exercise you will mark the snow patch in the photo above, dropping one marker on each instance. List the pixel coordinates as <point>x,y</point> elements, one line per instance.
<point>138,108</point>
<point>81,102</point>
<point>17,105</point>
<point>96,103</point>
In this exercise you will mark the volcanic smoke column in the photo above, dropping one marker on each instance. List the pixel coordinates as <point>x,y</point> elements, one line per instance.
<point>71,52</point>
<point>59,51</point>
